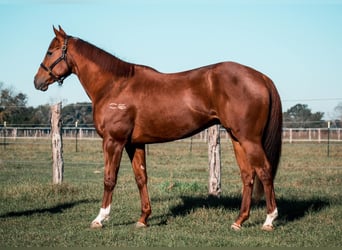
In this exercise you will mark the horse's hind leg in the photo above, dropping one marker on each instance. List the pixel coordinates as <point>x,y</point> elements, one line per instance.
<point>137,156</point>
<point>252,160</point>
<point>112,154</point>
<point>266,178</point>
<point>247,176</point>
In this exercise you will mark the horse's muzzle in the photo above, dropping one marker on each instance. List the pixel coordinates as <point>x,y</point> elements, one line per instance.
<point>40,85</point>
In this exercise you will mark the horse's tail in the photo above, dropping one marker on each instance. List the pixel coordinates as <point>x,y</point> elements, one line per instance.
<point>272,136</point>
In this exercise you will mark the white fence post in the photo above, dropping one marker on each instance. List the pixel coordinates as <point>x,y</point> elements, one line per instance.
<point>309,134</point>
<point>57,145</point>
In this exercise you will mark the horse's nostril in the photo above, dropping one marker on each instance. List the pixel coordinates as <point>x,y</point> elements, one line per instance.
<point>40,85</point>
<point>35,82</point>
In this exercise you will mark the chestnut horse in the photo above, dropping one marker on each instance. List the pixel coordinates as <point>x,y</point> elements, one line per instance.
<point>134,105</point>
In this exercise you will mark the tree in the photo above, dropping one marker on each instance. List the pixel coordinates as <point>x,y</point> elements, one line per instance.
<point>300,116</point>
<point>338,115</point>
<point>40,116</point>
<point>338,111</point>
<point>13,106</point>
<point>81,112</point>
<point>14,111</point>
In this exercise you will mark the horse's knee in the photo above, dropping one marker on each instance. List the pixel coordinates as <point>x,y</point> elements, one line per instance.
<point>247,178</point>
<point>139,169</point>
<point>141,180</point>
<point>109,183</point>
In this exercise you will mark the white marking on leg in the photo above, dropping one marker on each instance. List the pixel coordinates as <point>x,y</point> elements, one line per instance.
<point>236,227</point>
<point>103,215</point>
<point>142,167</point>
<point>269,220</point>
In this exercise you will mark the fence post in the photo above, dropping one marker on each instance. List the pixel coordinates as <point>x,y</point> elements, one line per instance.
<point>5,134</point>
<point>57,145</point>
<point>214,154</point>
<point>328,153</point>
<point>76,132</point>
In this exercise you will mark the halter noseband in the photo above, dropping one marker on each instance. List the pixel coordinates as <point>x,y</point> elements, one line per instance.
<point>59,79</point>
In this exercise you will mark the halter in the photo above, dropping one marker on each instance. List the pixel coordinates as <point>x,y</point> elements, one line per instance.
<point>59,79</point>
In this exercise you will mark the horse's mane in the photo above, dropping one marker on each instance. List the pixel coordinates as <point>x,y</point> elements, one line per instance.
<point>104,59</point>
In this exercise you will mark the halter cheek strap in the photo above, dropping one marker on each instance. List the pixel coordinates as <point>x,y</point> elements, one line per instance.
<point>59,79</point>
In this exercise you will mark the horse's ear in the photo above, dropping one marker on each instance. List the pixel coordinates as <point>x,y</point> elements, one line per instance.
<point>55,30</point>
<point>59,33</point>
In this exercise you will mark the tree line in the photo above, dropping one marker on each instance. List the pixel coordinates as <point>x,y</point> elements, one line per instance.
<point>15,112</point>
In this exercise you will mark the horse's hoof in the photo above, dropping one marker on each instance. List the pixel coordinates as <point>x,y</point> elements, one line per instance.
<point>267,228</point>
<point>236,227</point>
<point>96,225</point>
<point>140,225</point>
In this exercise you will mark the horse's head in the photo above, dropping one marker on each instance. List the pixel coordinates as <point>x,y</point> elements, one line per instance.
<point>55,65</point>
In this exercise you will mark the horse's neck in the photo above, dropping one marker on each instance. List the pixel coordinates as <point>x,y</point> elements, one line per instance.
<point>86,77</point>
<point>92,77</point>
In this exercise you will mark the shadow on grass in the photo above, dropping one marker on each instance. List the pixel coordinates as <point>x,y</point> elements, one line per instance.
<point>289,209</point>
<point>52,210</point>
<point>295,209</point>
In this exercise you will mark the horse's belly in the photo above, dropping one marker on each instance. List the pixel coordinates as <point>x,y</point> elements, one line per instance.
<point>167,130</point>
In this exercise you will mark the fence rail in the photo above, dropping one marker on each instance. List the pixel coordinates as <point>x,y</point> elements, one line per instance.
<point>290,135</point>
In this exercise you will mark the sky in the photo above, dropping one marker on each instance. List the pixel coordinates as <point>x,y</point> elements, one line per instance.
<point>297,43</point>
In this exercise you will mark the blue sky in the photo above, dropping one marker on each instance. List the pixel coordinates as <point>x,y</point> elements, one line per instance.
<point>296,43</point>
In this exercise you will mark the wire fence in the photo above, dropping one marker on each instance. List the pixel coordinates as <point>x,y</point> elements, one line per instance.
<point>291,135</point>
<point>329,138</point>
<point>82,148</point>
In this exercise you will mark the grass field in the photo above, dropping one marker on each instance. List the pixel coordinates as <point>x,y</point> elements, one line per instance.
<point>33,212</point>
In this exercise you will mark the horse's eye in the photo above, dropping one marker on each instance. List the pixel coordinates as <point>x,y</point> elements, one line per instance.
<point>49,53</point>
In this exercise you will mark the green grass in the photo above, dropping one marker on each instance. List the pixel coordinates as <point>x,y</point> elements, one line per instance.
<point>33,212</point>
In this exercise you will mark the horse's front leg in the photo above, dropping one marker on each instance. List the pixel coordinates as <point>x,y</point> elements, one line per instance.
<point>137,156</point>
<point>112,155</point>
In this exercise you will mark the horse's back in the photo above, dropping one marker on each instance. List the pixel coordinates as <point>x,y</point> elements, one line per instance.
<point>166,107</point>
